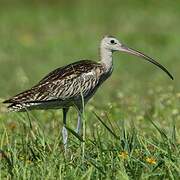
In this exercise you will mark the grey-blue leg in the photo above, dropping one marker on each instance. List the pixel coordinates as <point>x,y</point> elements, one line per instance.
<point>64,130</point>
<point>79,123</point>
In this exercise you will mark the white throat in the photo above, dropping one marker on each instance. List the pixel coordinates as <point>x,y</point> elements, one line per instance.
<point>106,58</point>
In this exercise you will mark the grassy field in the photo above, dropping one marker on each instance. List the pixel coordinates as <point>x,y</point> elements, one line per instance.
<point>132,123</point>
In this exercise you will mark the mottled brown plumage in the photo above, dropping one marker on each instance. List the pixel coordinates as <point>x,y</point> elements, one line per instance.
<point>65,85</point>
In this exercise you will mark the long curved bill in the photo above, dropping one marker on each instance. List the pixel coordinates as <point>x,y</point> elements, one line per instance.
<point>140,54</point>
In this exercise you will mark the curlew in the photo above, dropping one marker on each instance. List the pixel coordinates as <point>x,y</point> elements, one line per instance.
<point>74,84</point>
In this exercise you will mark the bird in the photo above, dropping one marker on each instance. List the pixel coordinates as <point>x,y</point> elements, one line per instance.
<point>73,85</point>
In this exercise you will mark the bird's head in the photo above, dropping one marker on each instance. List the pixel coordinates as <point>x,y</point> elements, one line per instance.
<point>111,44</point>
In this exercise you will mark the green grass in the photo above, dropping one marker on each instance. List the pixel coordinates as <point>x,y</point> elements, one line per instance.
<point>132,123</point>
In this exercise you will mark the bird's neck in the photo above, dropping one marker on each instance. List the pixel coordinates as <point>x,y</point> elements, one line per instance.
<point>106,59</point>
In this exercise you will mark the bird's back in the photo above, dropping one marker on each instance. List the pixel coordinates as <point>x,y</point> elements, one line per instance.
<point>60,87</point>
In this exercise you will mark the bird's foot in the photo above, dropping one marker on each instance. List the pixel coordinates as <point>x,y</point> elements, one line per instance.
<point>65,137</point>
<point>77,130</point>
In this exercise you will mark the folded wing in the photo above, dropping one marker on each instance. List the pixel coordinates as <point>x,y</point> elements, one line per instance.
<point>61,84</point>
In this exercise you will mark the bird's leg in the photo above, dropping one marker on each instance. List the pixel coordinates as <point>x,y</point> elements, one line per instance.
<point>64,130</point>
<point>79,123</point>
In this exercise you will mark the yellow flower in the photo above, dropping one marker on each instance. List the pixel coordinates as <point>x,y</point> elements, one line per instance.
<point>151,160</point>
<point>123,155</point>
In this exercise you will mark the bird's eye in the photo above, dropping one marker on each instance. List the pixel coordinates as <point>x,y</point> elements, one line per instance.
<point>112,41</point>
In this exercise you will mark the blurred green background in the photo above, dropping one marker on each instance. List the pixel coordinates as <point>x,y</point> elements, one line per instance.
<point>38,36</point>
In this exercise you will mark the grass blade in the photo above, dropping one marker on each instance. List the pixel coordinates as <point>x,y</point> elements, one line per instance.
<point>75,134</point>
<point>117,137</point>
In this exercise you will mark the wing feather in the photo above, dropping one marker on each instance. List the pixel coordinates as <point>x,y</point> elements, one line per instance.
<point>63,83</point>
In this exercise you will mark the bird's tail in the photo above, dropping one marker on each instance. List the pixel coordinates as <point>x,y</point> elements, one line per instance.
<point>21,101</point>
<point>16,107</point>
